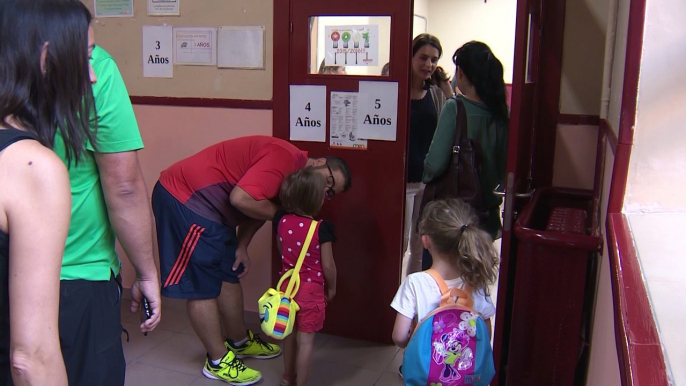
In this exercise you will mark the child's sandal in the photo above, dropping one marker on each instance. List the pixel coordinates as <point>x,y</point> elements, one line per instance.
<point>287,381</point>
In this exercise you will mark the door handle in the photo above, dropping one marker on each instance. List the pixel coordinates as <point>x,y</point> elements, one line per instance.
<point>501,193</point>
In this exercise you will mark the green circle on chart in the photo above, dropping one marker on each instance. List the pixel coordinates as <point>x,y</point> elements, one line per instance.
<point>345,36</point>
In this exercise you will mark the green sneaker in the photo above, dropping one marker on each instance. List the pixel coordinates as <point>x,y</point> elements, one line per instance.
<point>255,347</point>
<point>231,370</point>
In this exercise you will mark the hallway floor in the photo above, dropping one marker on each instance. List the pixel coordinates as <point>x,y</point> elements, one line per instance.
<point>173,355</point>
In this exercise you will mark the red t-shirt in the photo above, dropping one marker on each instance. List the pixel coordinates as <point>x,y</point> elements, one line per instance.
<point>258,164</point>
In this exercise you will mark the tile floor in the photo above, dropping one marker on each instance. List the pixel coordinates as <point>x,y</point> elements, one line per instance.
<point>173,355</point>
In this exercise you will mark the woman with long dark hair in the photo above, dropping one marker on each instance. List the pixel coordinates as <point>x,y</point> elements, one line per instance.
<point>479,77</point>
<point>45,87</point>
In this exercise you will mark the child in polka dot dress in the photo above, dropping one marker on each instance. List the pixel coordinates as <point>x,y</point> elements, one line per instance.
<point>302,195</point>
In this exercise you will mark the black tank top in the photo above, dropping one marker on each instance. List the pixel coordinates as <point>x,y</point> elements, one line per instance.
<point>423,120</point>
<point>7,137</point>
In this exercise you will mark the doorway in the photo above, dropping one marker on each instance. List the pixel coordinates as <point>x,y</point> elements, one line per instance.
<point>369,217</point>
<point>367,220</point>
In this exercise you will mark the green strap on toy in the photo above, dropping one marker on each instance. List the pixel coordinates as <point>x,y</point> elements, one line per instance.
<point>294,283</point>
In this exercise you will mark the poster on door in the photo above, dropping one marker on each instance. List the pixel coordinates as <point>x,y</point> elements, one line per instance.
<point>308,113</point>
<point>377,117</point>
<point>343,123</point>
<point>352,45</point>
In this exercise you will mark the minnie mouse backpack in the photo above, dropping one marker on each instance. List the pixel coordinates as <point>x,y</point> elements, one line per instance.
<point>451,346</point>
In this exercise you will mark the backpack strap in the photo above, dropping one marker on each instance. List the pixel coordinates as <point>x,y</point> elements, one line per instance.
<point>461,297</point>
<point>294,283</point>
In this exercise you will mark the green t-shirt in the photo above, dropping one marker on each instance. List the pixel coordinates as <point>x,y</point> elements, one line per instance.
<point>90,252</point>
<point>491,135</point>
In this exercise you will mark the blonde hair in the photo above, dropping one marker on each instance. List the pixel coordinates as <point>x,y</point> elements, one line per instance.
<point>302,192</point>
<point>452,226</point>
<point>323,69</point>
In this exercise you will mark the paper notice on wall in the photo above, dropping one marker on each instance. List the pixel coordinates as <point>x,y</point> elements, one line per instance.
<point>157,52</point>
<point>195,46</point>
<point>352,45</point>
<point>113,8</point>
<point>163,7</point>
<point>240,47</point>
<point>378,112</point>
<point>308,113</point>
<point>343,124</point>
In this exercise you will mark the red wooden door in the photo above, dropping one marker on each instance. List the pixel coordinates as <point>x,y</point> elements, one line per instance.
<point>519,158</point>
<point>369,217</point>
<point>534,114</point>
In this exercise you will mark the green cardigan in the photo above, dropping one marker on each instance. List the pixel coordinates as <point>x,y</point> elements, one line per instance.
<point>491,136</point>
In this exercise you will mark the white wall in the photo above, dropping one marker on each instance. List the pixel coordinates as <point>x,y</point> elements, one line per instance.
<point>575,155</point>
<point>658,160</point>
<point>603,368</point>
<point>582,57</point>
<point>604,362</point>
<point>617,73</point>
<point>421,17</point>
<point>457,22</point>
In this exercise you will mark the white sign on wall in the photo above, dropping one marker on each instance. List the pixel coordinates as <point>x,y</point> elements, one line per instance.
<point>195,46</point>
<point>157,52</point>
<point>308,113</point>
<point>378,111</point>
<point>352,45</point>
<point>163,7</point>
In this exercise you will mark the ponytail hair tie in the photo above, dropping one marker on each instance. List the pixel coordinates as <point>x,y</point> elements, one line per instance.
<point>463,227</point>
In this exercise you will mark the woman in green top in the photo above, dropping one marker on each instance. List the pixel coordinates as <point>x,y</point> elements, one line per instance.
<point>479,77</point>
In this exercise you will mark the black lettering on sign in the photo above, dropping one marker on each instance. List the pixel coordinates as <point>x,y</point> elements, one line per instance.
<point>376,120</point>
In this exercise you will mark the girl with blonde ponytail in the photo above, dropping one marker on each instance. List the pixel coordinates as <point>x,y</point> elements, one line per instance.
<point>462,254</point>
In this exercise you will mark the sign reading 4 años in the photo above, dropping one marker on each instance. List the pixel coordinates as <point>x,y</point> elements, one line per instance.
<point>308,113</point>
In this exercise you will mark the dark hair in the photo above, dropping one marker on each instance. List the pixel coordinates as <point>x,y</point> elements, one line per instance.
<point>422,40</point>
<point>302,192</point>
<point>452,226</point>
<point>337,163</point>
<point>385,70</point>
<point>59,96</point>
<point>439,76</point>
<point>485,72</point>
<point>328,69</point>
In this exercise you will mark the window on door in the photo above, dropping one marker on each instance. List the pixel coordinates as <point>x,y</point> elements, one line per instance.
<point>350,45</point>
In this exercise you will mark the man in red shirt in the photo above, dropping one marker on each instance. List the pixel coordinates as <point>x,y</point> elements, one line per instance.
<point>198,203</point>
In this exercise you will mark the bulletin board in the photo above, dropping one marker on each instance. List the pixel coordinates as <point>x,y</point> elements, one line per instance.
<point>122,38</point>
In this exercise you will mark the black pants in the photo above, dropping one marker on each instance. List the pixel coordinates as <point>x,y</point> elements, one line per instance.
<point>90,332</point>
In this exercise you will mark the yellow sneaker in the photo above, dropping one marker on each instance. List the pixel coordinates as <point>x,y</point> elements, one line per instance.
<point>255,347</point>
<point>231,370</point>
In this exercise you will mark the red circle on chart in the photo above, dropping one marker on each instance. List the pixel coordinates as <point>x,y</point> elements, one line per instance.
<point>335,36</point>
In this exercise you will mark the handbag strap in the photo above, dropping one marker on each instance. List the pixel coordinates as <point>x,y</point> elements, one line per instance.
<point>460,132</point>
<point>457,296</point>
<point>295,276</point>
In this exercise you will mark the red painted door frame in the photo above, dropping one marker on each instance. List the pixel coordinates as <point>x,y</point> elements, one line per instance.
<point>536,81</point>
<point>369,217</point>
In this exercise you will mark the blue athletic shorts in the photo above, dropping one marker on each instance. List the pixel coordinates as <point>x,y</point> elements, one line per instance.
<point>196,254</point>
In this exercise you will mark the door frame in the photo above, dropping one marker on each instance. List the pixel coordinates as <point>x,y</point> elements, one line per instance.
<point>376,277</point>
<point>543,98</point>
